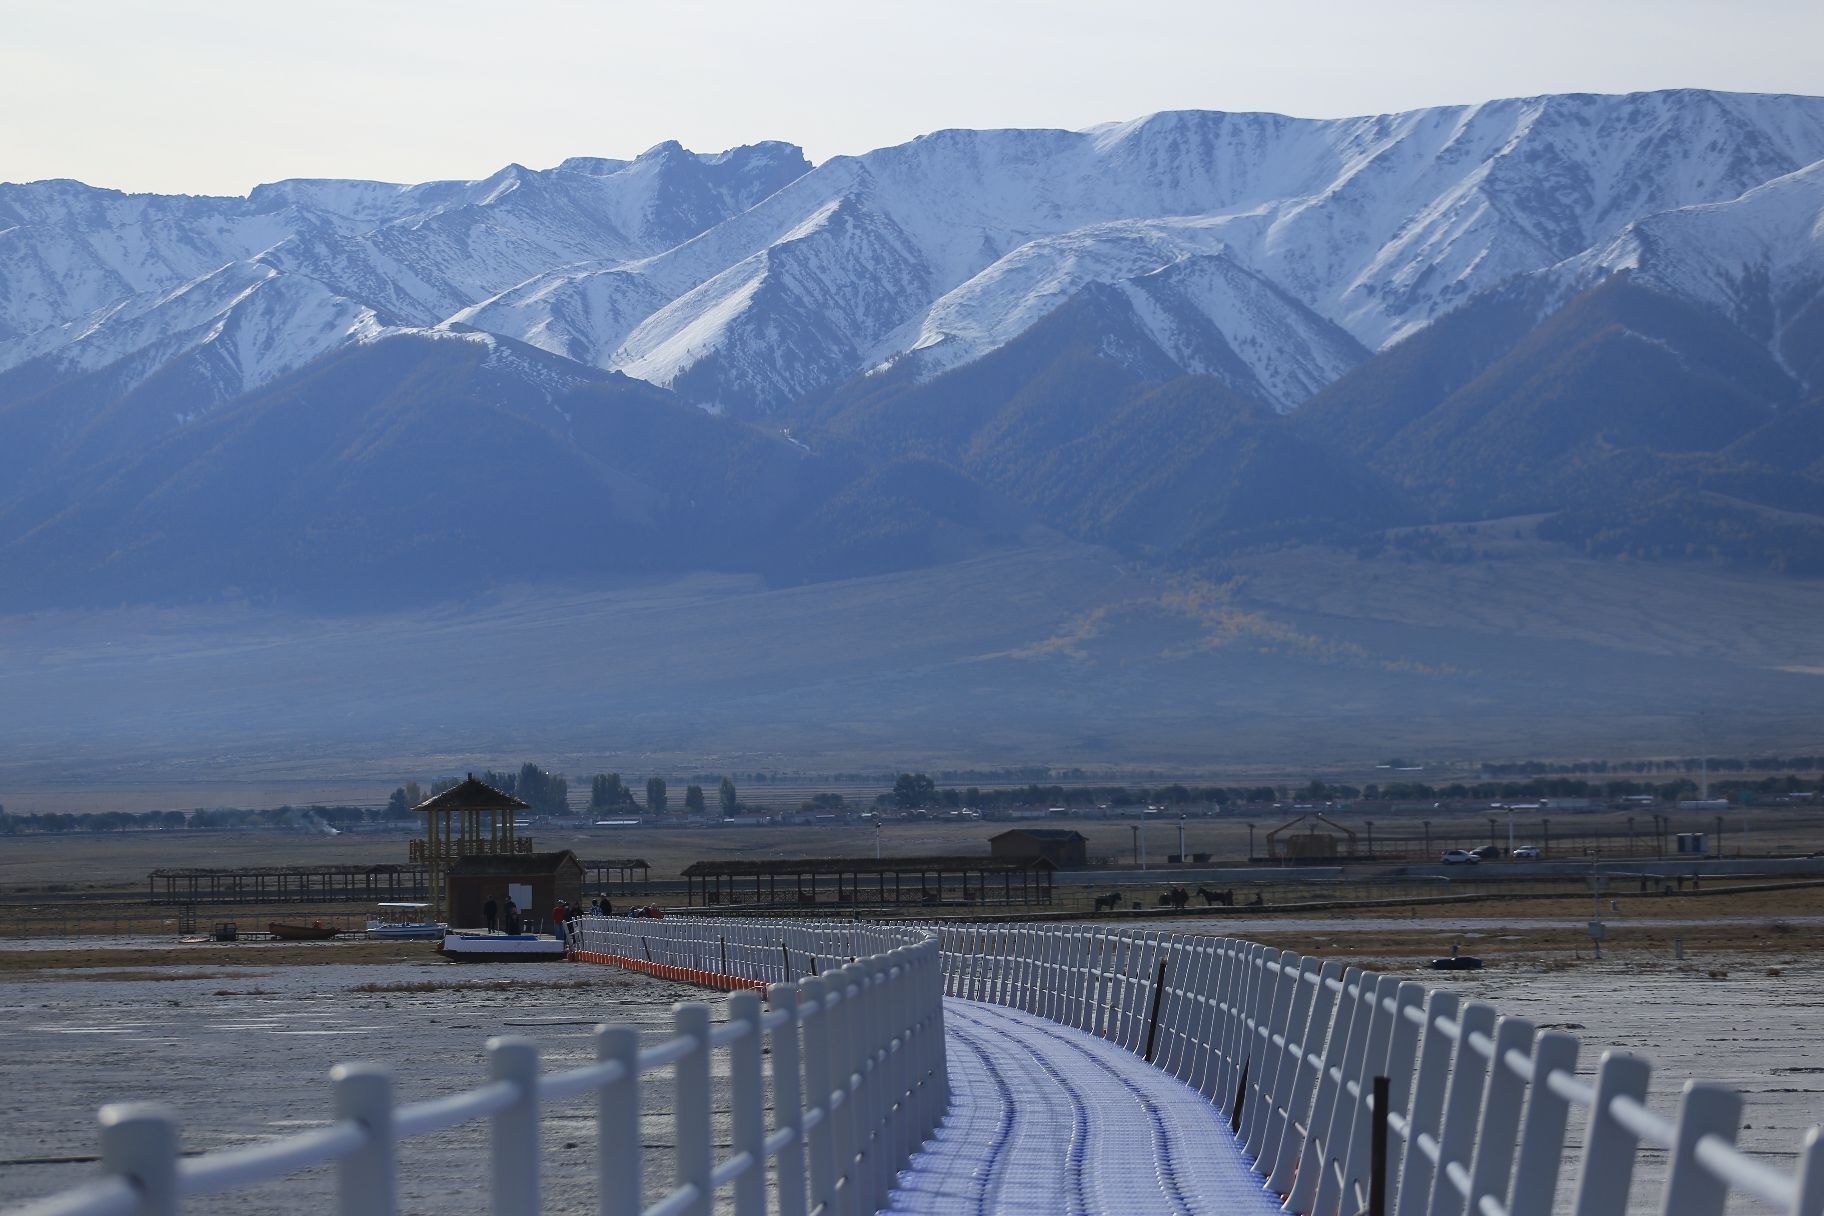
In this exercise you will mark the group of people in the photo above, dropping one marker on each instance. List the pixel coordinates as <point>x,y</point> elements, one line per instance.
<point>564,913</point>
<point>513,920</point>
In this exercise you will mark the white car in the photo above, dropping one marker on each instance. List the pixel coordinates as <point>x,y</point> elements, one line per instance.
<point>1526,852</point>
<point>1460,857</point>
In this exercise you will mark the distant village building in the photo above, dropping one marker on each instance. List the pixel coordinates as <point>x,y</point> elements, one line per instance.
<point>534,881</point>
<point>1062,848</point>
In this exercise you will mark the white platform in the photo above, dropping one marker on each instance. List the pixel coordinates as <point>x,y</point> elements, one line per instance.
<point>501,947</point>
<point>1048,1120</point>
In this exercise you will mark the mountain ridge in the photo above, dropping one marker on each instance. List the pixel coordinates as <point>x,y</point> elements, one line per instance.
<point>1184,336</point>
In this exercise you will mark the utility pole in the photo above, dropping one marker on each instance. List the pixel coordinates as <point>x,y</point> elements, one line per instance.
<point>1135,829</point>
<point>1182,855</point>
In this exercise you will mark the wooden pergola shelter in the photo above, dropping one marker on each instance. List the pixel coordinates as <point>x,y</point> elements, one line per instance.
<point>884,882</point>
<point>347,884</point>
<point>306,884</point>
<point>470,819</point>
<point>601,873</point>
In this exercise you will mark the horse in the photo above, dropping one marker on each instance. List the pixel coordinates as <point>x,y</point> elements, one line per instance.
<point>1212,898</point>
<point>1177,897</point>
<point>1108,902</point>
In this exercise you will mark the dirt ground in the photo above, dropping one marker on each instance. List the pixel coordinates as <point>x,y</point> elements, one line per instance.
<point>240,1041</point>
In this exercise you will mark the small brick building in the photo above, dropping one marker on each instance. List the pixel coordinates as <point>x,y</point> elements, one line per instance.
<point>545,877</point>
<point>1059,846</point>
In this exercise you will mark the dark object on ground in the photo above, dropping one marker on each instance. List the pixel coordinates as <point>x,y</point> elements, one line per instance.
<point>1457,962</point>
<point>315,931</point>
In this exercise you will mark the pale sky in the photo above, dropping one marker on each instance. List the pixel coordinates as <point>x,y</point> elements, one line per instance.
<point>202,96</point>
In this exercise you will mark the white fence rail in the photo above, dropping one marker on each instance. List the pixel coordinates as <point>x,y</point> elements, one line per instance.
<point>1478,1104</point>
<point>857,1082</point>
<point>1474,1122</point>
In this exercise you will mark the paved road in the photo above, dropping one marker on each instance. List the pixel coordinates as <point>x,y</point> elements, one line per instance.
<point>1051,1121</point>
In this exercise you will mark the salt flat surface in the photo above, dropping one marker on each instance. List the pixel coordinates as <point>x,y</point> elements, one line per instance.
<point>243,1054</point>
<point>1047,1119</point>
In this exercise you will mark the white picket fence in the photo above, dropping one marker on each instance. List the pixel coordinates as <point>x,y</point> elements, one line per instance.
<point>857,1081</point>
<point>1477,1104</point>
<point>1474,1120</point>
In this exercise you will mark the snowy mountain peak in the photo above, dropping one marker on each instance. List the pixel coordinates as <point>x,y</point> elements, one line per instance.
<point>1274,252</point>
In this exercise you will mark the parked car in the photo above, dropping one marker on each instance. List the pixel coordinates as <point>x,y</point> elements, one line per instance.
<point>1527,852</point>
<point>1489,852</point>
<point>1459,857</point>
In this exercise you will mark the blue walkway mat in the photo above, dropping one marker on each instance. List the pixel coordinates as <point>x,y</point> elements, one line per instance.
<point>1046,1119</point>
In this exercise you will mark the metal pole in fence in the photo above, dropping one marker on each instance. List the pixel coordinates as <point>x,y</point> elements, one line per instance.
<point>746,1104</point>
<point>1810,1201</point>
<point>367,1180</point>
<point>139,1143</point>
<point>1608,1144</point>
<point>617,1123</point>
<point>515,1127</point>
<point>1377,1150</point>
<point>819,1146</point>
<point>690,1111</point>
<point>788,1100</point>
<point>1152,1026</point>
<point>1705,1110</point>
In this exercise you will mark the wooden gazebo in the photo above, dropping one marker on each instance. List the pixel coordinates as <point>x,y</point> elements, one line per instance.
<point>924,881</point>
<point>470,819</point>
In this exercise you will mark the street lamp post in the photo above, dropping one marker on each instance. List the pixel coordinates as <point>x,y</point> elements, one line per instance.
<point>1181,852</point>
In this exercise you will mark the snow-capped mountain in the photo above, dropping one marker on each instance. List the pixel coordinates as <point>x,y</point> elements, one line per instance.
<point>1373,225</point>
<point>1270,252</point>
<point>1757,259</point>
<point>89,277</point>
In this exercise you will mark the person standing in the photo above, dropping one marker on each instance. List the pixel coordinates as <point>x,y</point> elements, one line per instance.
<point>558,912</point>
<point>490,912</point>
<point>512,916</point>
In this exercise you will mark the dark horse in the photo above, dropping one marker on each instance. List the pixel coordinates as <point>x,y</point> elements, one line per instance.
<point>1212,898</point>
<point>1109,901</point>
<point>1177,897</point>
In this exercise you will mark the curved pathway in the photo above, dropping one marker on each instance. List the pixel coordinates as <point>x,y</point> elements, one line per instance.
<point>1046,1119</point>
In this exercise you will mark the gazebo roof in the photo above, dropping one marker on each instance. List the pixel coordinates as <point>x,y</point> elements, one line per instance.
<point>472,795</point>
<point>502,865</point>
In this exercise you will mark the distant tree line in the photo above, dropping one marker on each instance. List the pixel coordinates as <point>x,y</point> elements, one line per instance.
<point>609,794</point>
<point>915,790</point>
<point>1683,764</point>
<point>1565,787</point>
<point>282,818</point>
